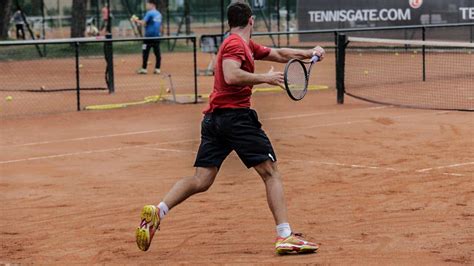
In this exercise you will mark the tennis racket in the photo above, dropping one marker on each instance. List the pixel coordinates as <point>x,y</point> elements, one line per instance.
<point>296,77</point>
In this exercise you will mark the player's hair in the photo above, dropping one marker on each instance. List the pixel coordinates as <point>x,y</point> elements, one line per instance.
<point>238,14</point>
<point>153,2</point>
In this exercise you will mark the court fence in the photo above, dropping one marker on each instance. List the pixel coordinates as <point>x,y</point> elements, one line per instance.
<point>90,73</point>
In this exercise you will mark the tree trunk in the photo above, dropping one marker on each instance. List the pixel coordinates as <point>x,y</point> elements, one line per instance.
<point>78,24</point>
<point>35,8</point>
<point>5,14</point>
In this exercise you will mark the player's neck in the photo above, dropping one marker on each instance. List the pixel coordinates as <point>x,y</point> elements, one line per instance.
<point>243,33</point>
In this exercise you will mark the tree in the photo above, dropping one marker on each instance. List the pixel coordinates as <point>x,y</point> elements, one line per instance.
<point>78,23</point>
<point>5,14</point>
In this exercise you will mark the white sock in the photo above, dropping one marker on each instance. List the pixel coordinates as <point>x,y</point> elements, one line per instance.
<point>163,209</point>
<point>283,230</point>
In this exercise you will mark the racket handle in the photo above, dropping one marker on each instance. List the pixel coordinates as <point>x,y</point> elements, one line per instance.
<point>315,59</point>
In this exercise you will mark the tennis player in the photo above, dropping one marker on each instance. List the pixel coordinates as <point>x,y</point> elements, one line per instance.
<point>229,124</point>
<point>153,28</point>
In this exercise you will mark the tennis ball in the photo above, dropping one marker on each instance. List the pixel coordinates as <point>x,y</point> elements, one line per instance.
<point>168,90</point>
<point>366,72</point>
<point>43,87</point>
<point>9,98</point>
<point>80,65</point>
<point>397,54</point>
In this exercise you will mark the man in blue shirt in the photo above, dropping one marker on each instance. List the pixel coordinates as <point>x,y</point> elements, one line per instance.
<point>153,28</point>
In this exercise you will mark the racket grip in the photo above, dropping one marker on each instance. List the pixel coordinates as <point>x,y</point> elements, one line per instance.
<point>315,59</point>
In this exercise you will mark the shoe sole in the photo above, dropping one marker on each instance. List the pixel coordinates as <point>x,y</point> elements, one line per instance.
<point>143,234</point>
<point>297,250</point>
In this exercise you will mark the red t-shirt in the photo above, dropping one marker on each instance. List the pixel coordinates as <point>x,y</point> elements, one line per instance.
<point>234,96</point>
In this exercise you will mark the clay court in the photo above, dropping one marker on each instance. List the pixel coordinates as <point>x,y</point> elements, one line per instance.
<point>372,184</point>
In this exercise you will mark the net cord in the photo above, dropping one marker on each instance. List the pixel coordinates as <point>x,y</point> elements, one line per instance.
<point>414,43</point>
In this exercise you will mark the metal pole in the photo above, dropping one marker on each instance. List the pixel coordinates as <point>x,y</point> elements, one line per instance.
<point>109,20</point>
<point>423,37</point>
<point>288,22</point>
<point>78,86</point>
<point>168,21</point>
<point>193,39</point>
<point>222,17</point>
<point>340,67</point>
<point>44,29</point>
<point>278,19</point>
<point>97,14</point>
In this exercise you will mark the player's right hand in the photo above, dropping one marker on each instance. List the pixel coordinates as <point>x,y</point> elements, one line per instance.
<point>274,78</point>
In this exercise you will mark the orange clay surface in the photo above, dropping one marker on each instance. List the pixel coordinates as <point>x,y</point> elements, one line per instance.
<point>372,184</point>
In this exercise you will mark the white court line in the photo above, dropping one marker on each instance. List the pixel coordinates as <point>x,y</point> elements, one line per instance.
<point>93,151</point>
<point>169,150</point>
<point>453,174</point>
<point>131,133</point>
<point>94,137</point>
<point>443,167</point>
<point>344,165</point>
<point>370,120</point>
<point>169,129</point>
<point>316,114</point>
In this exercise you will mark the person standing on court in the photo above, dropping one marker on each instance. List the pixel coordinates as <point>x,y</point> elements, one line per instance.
<point>230,125</point>
<point>19,25</point>
<point>105,19</point>
<point>153,28</point>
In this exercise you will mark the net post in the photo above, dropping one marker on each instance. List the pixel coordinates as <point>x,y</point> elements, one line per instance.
<point>109,58</point>
<point>423,37</point>
<point>193,39</point>
<point>340,67</point>
<point>78,86</point>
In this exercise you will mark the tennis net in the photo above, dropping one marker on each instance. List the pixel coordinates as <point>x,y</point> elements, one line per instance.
<point>419,74</point>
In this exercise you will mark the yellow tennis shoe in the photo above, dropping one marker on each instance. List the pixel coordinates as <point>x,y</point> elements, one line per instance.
<point>294,243</point>
<point>150,223</point>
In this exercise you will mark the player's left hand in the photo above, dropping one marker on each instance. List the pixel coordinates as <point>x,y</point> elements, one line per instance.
<point>319,51</point>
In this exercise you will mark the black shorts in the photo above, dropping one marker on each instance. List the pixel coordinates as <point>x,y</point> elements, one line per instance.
<point>227,130</point>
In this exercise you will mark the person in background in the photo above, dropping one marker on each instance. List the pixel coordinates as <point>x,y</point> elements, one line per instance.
<point>153,28</point>
<point>19,24</point>
<point>105,19</point>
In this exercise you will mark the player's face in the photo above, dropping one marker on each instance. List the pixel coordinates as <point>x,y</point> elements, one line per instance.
<point>149,6</point>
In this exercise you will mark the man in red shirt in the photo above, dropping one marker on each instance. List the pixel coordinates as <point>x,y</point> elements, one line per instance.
<point>230,125</point>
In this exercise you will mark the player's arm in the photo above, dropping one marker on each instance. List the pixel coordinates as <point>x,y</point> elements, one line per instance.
<point>233,75</point>
<point>284,55</point>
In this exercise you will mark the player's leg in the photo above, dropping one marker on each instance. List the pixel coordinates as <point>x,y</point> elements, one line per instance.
<point>146,47</point>
<point>212,152</point>
<point>17,26</point>
<point>255,150</point>
<point>157,51</point>
<point>152,215</point>
<point>186,187</point>
<point>275,194</point>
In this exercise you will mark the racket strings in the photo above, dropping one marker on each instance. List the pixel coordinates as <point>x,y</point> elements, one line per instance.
<point>296,80</point>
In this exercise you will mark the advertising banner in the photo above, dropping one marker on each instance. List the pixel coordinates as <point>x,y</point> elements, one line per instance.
<point>337,14</point>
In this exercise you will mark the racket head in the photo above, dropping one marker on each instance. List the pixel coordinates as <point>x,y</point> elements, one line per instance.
<point>296,81</point>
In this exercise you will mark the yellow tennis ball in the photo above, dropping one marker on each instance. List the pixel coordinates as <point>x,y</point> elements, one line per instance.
<point>9,98</point>
<point>397,54</point>
<point>80,65</point>
<point>366,72</point>
<point>168,90</point>
<point>43,87</point>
